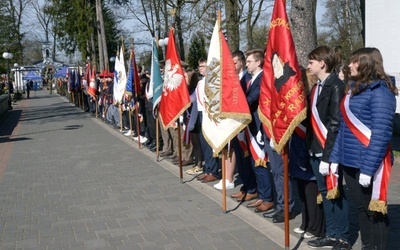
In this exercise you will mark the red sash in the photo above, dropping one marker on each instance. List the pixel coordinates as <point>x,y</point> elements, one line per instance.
<point>321,133</point>
<point>380,182</point>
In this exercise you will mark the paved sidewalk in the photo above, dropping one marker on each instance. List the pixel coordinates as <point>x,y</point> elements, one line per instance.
<point>70,181</point>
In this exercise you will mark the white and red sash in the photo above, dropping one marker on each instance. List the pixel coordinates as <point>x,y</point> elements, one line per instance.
<point>300,130</point>
<point>319,128</point>
<point>380,182</point>
<point>257,153</point>
<point>321,133</point>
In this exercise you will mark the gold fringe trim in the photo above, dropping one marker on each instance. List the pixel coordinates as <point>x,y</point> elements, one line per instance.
<point>319,198</point>
<point>171,123</point>
<point>289,131</point>
<point>217,149</point>
<point>260,163</point>
<point>378,206</point>
<point>333,193</point>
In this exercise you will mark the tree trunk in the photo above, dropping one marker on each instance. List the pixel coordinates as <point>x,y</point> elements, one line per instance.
<point>303,26</point>
<point>232,24</point>
<point>178,30</point>
<point>99,34</point>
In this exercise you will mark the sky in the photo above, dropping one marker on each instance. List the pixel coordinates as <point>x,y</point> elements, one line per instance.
<point>36,30</point>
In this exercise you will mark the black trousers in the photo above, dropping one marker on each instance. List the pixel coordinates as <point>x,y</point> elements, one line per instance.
<point>374,226</point>
<point>312,214</point>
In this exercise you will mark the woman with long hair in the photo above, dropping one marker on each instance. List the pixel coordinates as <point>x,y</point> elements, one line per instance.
<point>362,146</point>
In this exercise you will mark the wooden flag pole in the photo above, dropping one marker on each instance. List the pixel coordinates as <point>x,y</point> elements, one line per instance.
<point>120,117</point>
<point>224,157</point>
<point>157,139</point>
<point>286,193</point>
<point>97,106</point>
<point>180,151</point>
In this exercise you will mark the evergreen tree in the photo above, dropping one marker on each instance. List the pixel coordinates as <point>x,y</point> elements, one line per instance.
<point>5,37</point>
<point>197,50</point>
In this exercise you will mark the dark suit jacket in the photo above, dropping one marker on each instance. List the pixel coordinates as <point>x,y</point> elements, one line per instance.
<point>252,96</point>
<point>328,106</point>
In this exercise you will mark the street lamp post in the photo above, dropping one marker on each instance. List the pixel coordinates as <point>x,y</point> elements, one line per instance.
<point>17,80</point>
<point>8,56</point>
<point>112,60</point>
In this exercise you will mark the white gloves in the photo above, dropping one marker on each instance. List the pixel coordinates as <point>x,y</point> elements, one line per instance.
<point>334,168</point>
<point>364,180</point>
<point>271,144</point>
<point>324,168</point>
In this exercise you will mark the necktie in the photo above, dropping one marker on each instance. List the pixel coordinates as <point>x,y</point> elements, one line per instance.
<point>319,88</point>
<point>248,85</point>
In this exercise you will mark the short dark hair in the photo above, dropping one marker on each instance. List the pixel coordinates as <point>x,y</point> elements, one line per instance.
<point>326,54</point>
<point>239,54</point>
<point>202,60</point>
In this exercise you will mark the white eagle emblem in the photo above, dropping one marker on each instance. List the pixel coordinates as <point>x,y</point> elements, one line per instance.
<point>172,78</point>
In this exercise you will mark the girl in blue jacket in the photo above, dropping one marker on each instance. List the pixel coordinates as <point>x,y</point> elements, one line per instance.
<point>362,144</point>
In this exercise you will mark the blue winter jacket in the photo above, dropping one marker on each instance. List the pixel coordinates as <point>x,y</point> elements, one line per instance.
<point>375,107</point>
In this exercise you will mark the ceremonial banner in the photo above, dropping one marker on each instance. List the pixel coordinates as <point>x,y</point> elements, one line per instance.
<point>78,79</point>
<point>282,103</point>
<point>133,83</point>
<point>175,95</point>
<point>71,81</point>
<point>91,79</point>
<point>119,76</point>
<point>156,79</point>
<point>226,111</point>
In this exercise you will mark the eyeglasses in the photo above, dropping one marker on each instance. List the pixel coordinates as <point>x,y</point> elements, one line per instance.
<point>202,66</point>
<point>249,61</point>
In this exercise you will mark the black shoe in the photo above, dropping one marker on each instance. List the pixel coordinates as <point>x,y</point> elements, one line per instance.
<point>342,245</point>
<point>148,142</point>
<point>279,217</point>
<point>322,242</point>
<point>271,214</point>
<point>151,145</point>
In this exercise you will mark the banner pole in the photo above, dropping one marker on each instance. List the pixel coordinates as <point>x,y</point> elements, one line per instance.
<point>180,151</point>
<point>286,193</point>
<point>224,157</point>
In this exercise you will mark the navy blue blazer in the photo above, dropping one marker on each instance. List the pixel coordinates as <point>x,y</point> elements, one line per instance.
<point>252,96</point>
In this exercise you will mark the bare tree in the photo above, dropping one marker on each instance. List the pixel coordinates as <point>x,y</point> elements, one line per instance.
<point>255,9</point>
<point>44,18</point>
<point>343,24</point>
<point>16,10</point>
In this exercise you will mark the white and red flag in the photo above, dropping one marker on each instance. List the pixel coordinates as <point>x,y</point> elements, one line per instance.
<point>120,78</point>
<point>226,111</point>
<point>90,76</point>
<point>282,103</point>
<point>175,94</point>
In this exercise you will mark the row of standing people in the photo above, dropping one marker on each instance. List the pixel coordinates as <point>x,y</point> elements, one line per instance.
<point>325,145</point>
